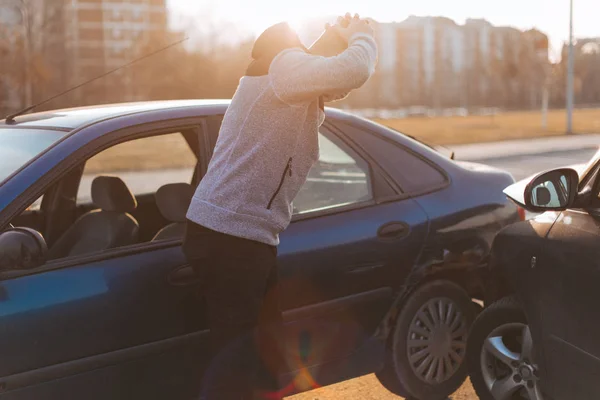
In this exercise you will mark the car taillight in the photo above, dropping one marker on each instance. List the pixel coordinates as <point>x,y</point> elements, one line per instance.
<point>521,212</point>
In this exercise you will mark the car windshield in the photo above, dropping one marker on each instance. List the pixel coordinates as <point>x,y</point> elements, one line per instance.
<point>19,146</point>
<point>586,171</point>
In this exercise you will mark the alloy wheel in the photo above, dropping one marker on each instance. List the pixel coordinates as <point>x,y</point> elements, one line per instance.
<point>507,364</point>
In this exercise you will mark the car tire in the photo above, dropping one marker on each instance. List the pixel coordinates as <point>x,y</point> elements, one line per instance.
<point>506,321</point>
<point>434,314</point>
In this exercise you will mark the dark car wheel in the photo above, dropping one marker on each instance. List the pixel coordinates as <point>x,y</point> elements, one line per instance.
<point>500,354</point>
<point>428,345</point>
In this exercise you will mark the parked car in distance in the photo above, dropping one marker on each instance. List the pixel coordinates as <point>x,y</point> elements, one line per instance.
<point>378,269</point>
<point>539,338</point>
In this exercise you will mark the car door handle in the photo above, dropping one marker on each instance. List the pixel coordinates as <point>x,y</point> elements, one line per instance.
<point>183,276</point>
<point>393,230</point>
<point>363,269</point>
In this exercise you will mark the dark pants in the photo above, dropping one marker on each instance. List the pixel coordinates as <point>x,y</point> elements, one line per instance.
<point>239,282</point>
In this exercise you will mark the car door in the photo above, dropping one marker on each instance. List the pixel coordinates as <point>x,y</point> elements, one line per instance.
<point>353,240</point>
<point>101,328</point>
<point>124,323</point>
<point>568,276</point>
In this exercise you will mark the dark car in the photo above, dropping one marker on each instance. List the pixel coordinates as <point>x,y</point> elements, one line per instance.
<point>378,268</point>
<point>540,336</point>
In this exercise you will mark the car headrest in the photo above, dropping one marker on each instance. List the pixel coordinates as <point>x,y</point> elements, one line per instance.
<point>173,201</point>
<point>110,193</point>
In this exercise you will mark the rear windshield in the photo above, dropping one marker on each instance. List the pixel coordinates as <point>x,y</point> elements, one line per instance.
<point>19,146</point>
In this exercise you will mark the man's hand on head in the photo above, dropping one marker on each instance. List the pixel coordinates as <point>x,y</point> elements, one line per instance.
<point>348,25</point>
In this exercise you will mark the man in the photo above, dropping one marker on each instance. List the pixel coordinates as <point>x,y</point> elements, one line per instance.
<point>267,144</point>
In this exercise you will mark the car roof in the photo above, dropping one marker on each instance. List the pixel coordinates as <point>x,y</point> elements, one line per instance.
<point>72,118</point>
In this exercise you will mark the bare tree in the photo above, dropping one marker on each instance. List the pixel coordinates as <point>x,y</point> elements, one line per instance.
<point>33,56</point>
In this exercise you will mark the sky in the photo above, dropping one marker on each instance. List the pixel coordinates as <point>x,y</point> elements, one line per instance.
<point>549,16</point>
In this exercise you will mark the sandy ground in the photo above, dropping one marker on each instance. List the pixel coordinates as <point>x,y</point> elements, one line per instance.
<point>369,388</point>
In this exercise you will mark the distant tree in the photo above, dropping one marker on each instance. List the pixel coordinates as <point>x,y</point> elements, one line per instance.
<point>587,70</point>
<point>188,73</point>
<point>587,74</point>
<point>33,49</point>
<point>176,73</point>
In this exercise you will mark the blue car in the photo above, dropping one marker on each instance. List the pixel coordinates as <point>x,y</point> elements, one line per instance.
<point>386,250</point>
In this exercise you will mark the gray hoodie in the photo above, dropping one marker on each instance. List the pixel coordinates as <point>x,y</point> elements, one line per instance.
<point>269,140</point>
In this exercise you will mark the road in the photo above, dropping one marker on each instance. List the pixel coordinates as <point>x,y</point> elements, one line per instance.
<point>525,157</point>
<point>522,166</point>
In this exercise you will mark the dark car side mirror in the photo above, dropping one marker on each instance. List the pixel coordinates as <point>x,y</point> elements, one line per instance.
<point>22,248</point>
<point>555,190</point>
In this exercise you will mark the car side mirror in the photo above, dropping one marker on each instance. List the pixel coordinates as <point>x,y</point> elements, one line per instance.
<point>552,191</point>
<point>22,248</point>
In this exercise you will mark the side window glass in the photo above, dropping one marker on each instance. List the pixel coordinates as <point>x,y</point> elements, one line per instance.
<point>117,214</point>
<point>213,125</point>
<point>112,208</point>
<point>32,217</point>
<point>35,206</point>
<point>340,177</point>
<point>143,164</point>
<point>413,173</point>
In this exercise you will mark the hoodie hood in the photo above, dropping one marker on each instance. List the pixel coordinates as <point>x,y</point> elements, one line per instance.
<point>271,42</point>
<point>274,40</point>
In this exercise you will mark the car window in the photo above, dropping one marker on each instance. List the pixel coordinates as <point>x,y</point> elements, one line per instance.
<point>35,206</point>
<point>340,177</point>
<point>75,226</point>
<point>19,146</point>
<point>587,173</point>
<point>589,178</point>
<point>413,173</point>
<point>593,184</point>
<point>143,164</point>
<point>213,125</point>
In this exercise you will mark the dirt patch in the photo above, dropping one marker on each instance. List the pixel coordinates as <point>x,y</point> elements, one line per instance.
<point>369,388</point>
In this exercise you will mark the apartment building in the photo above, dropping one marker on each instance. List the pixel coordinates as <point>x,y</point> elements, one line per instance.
<point>435,62</point>
<point>11,29</point>
<point>104,34</point>
<point>78,40</point>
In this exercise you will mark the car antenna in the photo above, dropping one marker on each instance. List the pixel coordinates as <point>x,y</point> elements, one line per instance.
<point>11,118</point>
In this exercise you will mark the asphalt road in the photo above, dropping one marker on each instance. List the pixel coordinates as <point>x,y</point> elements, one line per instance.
<point>523,166</point>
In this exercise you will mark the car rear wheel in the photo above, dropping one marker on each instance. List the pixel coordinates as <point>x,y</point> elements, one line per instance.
<point>500,354</point>
<point>426,358</point>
